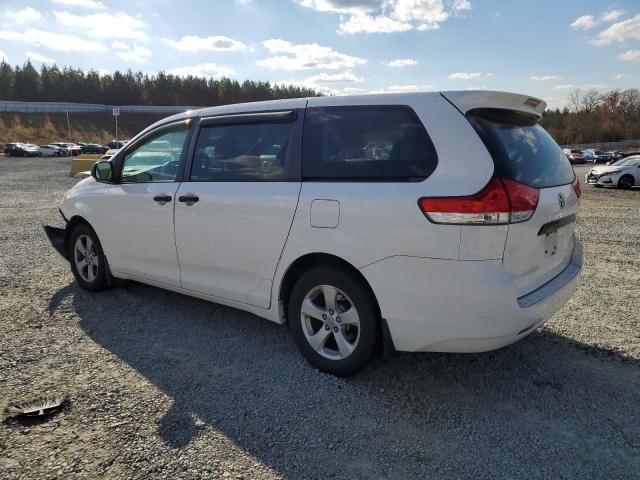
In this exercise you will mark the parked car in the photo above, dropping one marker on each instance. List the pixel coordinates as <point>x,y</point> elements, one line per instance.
<point>109,153</point>
<point>574,156</point>
<point>596,156</point>
<point>21,150</point>
<point>624,173</point>
<point>53,151</point>
<point>116,144</point>
<point>72,147</point>
<point>93,148</point>
<point>355,250</point>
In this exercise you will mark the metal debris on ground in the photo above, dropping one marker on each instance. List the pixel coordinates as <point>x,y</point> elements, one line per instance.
<point>37,408</point>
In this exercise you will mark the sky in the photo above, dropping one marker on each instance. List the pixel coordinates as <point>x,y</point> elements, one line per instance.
<point>544,48</point>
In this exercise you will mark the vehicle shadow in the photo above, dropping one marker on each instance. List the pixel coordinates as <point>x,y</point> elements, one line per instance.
<point>545,407</point>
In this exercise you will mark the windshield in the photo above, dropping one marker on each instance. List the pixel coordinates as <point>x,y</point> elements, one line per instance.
<point>628,162</point>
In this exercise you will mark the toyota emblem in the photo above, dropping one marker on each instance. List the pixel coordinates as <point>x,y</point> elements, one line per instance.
<point>561,200</point>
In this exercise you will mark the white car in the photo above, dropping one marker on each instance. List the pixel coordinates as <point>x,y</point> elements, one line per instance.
<point>624,173</point>
<point>52,151</point>
<point>454,234</point>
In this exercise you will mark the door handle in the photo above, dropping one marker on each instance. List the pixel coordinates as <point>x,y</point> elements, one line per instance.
<point>189,198</point>
<point>162,198</point>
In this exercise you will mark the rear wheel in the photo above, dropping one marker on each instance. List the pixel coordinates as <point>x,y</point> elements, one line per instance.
<point>334,320</point>
<point>88,263</point>
<point>626,181</point>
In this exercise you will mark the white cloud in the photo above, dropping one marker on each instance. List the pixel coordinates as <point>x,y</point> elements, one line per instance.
<point>26,15</point>
<point>611,15</point>
<point>544,78</point>
<point>202,70</point>
<point>40,58</point>
<point>409,88</point>
<point>466,75</point>
<point>218,43</point>
<point>386,16</point>
<point>344,77</point>
<point>585,22</point>
<point>363,23</point>
<point>402,62</point>
<point>620,76</point>
<point>131,53</point>
<point>81,3</point>
<point>55,41</point>
<point>305,56</point>
<point>596,86</point>
<point>619,32</point>
<point>4,56</point>
<point>105,25</point>
<point>630,56</point>
<point>354,90</point>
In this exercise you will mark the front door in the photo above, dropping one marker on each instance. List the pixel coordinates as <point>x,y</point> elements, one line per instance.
<point>138,236</point>
<point>235,208</point>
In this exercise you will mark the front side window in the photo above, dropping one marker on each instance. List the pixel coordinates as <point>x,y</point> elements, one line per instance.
<point>366,143</point>
<point>242,152</point>
<point>156,159</point>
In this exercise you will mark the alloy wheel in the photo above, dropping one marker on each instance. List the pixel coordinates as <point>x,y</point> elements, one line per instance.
<point>330,322</point>
<point>86,258</point>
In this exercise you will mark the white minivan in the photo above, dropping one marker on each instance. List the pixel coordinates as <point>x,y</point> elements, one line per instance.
<point>427,222</point>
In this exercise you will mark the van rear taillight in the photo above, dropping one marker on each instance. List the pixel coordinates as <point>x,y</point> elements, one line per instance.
<point>576,187</point>
<point>501,201</point>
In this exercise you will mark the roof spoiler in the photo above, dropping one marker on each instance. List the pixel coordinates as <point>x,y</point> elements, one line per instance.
<point>471,99</point>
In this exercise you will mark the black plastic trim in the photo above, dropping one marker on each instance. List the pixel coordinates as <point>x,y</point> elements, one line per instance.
<point>255,117</point>
<point>556,224</point>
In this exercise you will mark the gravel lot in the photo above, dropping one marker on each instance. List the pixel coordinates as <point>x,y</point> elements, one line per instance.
<point>167,386</point>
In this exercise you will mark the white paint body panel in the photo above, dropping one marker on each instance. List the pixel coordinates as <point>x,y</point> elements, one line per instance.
<point>138,232</point>
<point>230,241</point>
<point>440,287</point>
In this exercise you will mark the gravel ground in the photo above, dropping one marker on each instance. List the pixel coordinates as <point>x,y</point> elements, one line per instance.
<point>166,386</point>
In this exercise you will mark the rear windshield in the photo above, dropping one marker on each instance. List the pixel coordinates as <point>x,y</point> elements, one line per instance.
<point>521,149</point>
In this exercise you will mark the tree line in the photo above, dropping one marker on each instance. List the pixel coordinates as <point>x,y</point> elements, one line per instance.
<point>54,84</point>
<point>591,117</point>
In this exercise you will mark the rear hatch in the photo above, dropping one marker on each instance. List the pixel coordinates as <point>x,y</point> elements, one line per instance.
<point>540,247</point>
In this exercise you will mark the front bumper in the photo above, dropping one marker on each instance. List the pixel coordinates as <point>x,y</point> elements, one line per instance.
<point>463,306</point>
<point>58,238</point>
<point>604,179</point>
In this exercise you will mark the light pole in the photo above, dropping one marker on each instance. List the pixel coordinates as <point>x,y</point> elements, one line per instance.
<point>116,113</point>
<point>68,126</point>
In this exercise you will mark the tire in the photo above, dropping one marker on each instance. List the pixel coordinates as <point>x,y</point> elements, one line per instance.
<point>625,182</point>
<point>91,272</point>
<point>356,332</point>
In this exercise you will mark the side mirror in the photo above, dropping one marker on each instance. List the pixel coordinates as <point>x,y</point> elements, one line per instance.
<point>102,171</point>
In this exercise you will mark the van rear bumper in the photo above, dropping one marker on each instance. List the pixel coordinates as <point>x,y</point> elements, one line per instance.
<point>463,306</point>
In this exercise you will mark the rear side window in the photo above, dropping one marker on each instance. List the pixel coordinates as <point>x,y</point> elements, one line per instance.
<point>242,152</point>
<point>368,143</point>
<point>521,149</point>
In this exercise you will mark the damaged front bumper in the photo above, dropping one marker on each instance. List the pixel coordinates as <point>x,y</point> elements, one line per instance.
<point>58,238</point>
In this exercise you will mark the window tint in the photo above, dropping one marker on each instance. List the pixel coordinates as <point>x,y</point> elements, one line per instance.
<point>366,143</point>
<point>248,152</point>
<point>521,149</point>
<point>157,159</point>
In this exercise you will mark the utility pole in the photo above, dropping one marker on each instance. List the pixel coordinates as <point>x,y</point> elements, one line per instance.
<point>116,113</point>
<point>68,126</point>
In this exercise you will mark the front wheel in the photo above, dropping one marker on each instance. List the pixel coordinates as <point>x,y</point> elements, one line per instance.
<point>88,263</point>
<point>334,320</point>
<point>625,182</point>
